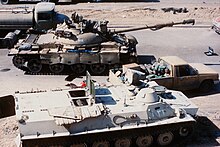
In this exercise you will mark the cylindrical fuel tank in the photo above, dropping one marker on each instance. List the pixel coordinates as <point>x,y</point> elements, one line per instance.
<point>9,20</point>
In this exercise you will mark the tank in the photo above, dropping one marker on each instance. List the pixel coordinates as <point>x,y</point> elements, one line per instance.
<point>79,45</point>
<point>97,116</point>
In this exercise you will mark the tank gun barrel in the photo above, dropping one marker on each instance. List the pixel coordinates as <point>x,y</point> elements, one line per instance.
<point>158,26</point>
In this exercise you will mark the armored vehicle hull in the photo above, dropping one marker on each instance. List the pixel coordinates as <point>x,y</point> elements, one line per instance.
<point>79,45</point>
<point>57,59</point>
<point>98,116</point>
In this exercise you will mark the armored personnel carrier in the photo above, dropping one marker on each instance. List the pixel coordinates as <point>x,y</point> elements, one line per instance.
<point>97,116</point>
<point>79,45</point>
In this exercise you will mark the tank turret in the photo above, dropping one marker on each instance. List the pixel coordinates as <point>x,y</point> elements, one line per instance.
<point>79,45</point>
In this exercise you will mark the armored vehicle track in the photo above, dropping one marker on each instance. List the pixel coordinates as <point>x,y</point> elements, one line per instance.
<point>161,135</point>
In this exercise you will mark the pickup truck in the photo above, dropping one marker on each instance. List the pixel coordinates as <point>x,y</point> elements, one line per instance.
<point>175,73</point>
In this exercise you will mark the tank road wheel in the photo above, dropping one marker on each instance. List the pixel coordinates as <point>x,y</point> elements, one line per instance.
<point>144,141</point>
<point>18,61</point>
<point>78,68</point>
<point>34,65</point>
<point>79,145</point>
<point>101,144</point>
<point>165,138</point>
<point>184,131</point>
<point>5,2</point>
<point>98,69</point>
<point>56,68</point>
<point>123,142</point>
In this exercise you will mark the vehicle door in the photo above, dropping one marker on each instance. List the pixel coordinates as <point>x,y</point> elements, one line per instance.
<point>185,77</point>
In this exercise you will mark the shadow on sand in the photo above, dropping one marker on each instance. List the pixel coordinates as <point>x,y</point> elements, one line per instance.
<point>205,133</point>
<point>195,93</point>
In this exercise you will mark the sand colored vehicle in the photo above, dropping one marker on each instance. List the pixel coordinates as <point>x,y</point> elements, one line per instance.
<point>98,116</point>
<point>175,73</point>
<point>79,45</point>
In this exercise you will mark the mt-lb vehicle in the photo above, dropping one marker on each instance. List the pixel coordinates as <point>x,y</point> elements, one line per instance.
<point>79,45</point>
<point>96,116</point>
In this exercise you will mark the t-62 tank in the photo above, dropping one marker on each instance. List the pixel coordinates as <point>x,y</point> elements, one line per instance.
<point>79,45</point>
<point>98,116</point>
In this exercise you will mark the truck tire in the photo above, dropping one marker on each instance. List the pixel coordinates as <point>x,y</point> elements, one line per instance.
<point>5,2</point>
<point>206,86</point>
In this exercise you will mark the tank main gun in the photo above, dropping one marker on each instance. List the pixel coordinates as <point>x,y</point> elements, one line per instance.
<point>158,26</point>
<point>85,45</point>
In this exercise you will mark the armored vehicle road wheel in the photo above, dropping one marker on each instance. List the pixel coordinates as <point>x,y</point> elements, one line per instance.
<point>78,68</point>
<point>98,68</point>
<point>56,68</point>
<point>144,141</point>
<point>79,145</point>
<point>165,138</point>
<point>5,2</point>
<point>101,144</point>
<point>123,142</point>
<point>184,131</point>
<point>34,65</point>
<point>18,61</point>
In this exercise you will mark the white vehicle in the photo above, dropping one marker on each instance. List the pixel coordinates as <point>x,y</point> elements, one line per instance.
<point>100,116</point>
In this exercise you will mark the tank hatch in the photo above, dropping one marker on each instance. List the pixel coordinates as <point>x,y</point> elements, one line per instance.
<point>69,115</point>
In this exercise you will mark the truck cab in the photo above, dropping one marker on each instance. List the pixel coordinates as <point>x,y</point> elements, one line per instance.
<point>45,15</point>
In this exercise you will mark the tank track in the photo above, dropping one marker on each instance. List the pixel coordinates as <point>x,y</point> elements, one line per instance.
<point>112,136</point>
<point>39,67</point>
<point>66,71</point>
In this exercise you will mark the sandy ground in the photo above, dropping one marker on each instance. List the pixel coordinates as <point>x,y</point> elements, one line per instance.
<point>122,14</point>
<point>143,13</point>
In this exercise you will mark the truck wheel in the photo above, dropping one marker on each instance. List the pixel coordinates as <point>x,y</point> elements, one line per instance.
<point>206,86</point>
<point>4,2</point>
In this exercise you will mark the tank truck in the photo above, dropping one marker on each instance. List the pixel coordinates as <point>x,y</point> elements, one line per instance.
<point>79,45</point>
<point>5,2</point>
<point>99,116</point>
<point>42,17</point>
